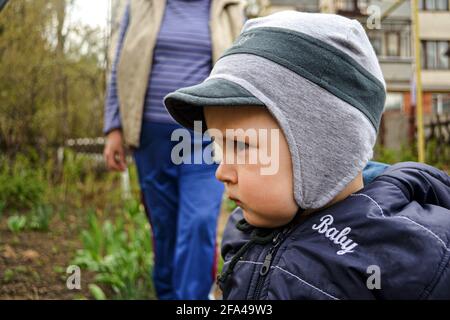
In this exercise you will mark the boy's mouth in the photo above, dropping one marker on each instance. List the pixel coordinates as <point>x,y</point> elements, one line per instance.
<point>239,203</point>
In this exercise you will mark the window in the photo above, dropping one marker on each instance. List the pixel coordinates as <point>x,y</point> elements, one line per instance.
<point>433,5</point>
<point>377,45</point>
<point>392,44</point>
<point>393,41</point>
<point>441,103</point>
<point>435,55</point>
<point>405,44</point>
<point>430,4</point>
<point>430,55</point>
<point>351,6</point>
<point>442,55</point>
<point>442,5</point>
<point>394,101</point>
<point>347,5</point>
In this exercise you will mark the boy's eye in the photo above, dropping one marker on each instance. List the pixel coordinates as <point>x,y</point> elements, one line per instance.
<point>239,145</point>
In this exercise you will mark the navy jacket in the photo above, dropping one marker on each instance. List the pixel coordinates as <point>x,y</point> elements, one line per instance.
<point>390,240</point>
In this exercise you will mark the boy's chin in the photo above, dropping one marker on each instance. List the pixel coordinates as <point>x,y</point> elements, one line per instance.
<point>265,220</point>
<point>250,218</point>
<point>257,221</point>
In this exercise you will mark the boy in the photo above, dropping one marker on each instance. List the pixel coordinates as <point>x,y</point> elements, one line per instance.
<point>312,229</point>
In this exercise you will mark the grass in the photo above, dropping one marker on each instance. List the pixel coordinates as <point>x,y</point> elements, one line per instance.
<point>114,236</point>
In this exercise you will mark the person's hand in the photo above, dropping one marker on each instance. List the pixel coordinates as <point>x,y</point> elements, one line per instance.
<point>114,151</point>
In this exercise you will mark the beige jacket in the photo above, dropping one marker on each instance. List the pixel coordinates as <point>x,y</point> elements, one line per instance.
<point>226,20</point>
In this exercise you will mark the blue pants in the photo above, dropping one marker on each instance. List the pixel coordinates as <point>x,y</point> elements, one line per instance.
<point>182,203</point>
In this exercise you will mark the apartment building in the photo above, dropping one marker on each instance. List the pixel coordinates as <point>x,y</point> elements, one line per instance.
<point>391,37</point>
<point>389,27</point>
<point>434,33</point>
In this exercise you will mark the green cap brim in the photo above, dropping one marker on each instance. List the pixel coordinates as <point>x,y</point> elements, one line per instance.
<point>185,105</point>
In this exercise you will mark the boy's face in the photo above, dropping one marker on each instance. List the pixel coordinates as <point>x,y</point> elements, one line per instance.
<point>265,196</point>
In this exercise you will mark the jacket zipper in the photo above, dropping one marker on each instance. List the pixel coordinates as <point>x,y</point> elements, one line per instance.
<point>277,240</point>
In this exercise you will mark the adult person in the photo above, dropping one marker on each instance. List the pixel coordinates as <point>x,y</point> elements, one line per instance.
<point>164,45</point>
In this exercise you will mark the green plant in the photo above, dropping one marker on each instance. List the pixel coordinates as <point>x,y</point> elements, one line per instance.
<point>435,155</point>
<point>119,252</point>
<point>8,275</point>
<point>39,218</point>
<point>76,168</point>
<point>16,223</point>
<point>21,185</point>
<point>2,207</point>
<point>59,269</point>
<point>97,292</point>
<point>438,154</point>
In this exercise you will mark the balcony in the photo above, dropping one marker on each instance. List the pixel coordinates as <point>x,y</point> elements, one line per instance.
<point>351,8</point>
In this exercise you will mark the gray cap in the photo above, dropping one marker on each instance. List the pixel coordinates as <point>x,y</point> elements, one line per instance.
<point>319,77</point>
<point>329,50</point>
<point>185,104</point>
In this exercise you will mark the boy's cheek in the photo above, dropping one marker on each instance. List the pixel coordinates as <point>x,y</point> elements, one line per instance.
<point>269,200</point>
<point>263,201</point>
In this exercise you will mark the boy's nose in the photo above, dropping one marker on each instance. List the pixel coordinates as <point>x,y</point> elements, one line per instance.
<point>226,173</point>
